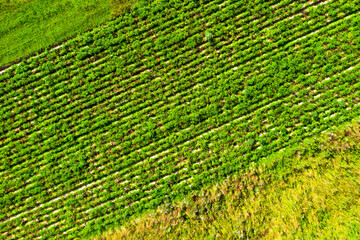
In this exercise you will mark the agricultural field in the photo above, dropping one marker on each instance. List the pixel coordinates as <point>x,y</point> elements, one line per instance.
<point>310,190</point>
<point>164,100</point>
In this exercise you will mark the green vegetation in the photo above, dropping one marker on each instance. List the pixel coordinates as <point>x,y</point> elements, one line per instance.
<point>309,191</point>
<point>29,26</point>
<point>145,109</point>
<point>120,6</point>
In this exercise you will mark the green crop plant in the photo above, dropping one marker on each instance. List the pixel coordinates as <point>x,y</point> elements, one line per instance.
<point>209,36</point>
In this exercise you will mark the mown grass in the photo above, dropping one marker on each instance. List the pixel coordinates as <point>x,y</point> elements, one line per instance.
<point>308,191</point>
<point>32,25</point>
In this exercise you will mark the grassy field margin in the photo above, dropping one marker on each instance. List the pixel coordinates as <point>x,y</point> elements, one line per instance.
<point>308,191</point>
<point>34,25</point>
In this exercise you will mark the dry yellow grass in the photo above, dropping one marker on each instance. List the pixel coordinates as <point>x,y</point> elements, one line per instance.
<point>119,6</point>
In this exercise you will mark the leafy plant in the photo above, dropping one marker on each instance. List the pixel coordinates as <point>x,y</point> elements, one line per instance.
<point>209,36</point>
